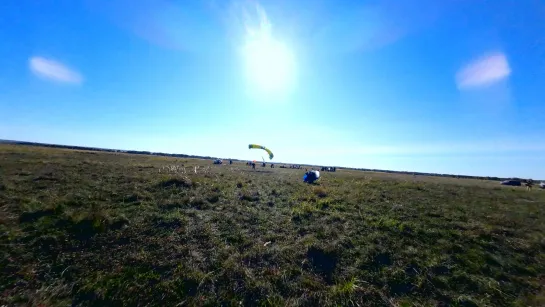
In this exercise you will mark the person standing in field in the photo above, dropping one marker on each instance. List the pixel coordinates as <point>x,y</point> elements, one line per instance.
<point>529,183</point>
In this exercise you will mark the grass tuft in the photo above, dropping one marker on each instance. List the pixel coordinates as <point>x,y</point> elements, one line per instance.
<point>346,288</point>
<point>252,197</point>
<point>320,192</point>
<point>213,198</point>
<point>177,183</point>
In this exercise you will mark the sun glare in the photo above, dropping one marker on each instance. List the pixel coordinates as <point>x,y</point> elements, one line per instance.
<point>269,64</point>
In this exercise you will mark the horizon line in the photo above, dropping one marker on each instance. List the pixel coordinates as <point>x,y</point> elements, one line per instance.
<point>147,152</point>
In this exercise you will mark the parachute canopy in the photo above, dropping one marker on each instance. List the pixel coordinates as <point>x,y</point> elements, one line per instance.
<point>255,146</point>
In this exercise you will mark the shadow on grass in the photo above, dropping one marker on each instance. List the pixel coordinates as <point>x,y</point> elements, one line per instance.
<point>323,261</point>
<point>33,216</point>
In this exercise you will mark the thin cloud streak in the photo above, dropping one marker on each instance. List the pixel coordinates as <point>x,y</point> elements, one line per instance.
<point>53,70</point>
<point>263,26</point>
<point>483,71</point>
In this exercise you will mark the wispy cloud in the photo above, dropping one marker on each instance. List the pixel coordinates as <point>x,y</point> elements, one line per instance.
<point>53,70</point>
<point>249,20</point>
<point>483,71</point>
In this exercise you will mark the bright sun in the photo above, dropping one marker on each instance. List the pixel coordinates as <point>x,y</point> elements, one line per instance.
<point>269,64</point>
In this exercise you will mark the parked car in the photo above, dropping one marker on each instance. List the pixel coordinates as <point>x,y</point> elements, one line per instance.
<point>512,182</point>
<point>542,185</point>
<point>218,161</point>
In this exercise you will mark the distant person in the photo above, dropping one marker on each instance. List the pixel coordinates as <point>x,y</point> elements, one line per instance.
<point>529,183</point>
<point>253,165</point>
<point>230,161</point>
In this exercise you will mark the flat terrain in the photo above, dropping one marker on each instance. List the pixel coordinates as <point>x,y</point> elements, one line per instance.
<point>102,229</point>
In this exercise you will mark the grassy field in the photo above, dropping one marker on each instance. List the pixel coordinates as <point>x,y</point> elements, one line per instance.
<point>97,229</point>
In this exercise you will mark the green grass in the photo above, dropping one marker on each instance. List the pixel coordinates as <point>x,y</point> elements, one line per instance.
<point>96,229</point>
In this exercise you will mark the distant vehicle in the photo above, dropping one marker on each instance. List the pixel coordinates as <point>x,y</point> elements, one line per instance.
<point>511,182</point>
<point>542,185</point>
<point>218,161</point>
<point>328,169</point>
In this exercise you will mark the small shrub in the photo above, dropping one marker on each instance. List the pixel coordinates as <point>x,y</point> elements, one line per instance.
<point>249,197</point>
<point>130,198</point>
<point>170,221</point>
<point>177,183</point>
<point>119,222</point>
<point>198,203</point>
<point>320,192</point>
<point>214,198</point>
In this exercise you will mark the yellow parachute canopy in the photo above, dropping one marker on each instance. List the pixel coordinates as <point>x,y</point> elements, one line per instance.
<point>255,146</point>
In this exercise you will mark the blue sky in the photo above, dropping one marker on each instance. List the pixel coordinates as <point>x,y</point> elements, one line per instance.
<point>453,86</point>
